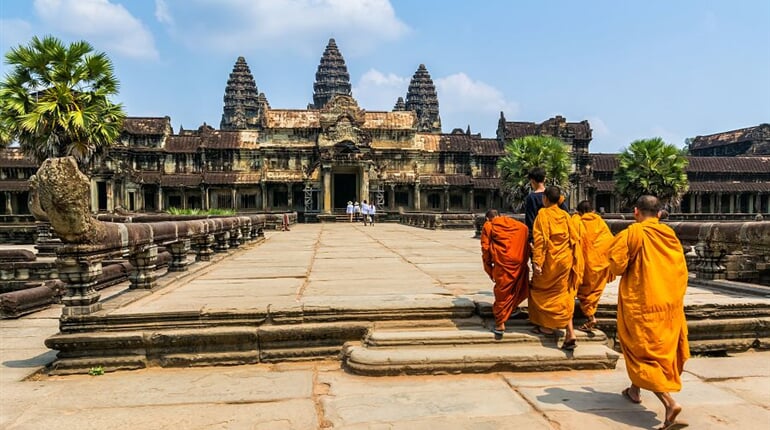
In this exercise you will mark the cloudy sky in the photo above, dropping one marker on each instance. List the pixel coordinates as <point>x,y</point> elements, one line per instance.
<point>632,69</point>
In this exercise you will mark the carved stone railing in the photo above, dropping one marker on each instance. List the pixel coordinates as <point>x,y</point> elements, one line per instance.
<point>438,221</point>
<point>61,195</point>
<point>736,251</point>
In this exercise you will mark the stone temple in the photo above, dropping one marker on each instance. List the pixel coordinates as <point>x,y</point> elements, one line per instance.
<point>313,161</point>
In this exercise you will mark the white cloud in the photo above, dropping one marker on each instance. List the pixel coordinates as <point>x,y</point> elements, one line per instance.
<point>288,24</point>
<point>378,91</point>
<point>103,23</point>
<point>599,127</point>
<point>162,13</point>
<point>459,93</point>
<point>13,32</point>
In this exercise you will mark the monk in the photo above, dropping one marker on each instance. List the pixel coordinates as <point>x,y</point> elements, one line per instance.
<point>557,262</point>
<point>595,239</point>
<point>504,252</point>
<point>651,325</point>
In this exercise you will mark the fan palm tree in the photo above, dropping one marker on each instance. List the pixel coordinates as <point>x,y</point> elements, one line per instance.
<point>55,100</point>
<point>653,167</point>
<point>527,152</point>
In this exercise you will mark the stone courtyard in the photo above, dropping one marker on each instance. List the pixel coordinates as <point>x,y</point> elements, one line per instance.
<point>351,267</point>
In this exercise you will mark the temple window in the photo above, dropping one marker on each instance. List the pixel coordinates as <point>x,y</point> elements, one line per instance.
<point>224,201</point>
<point>402,198</point>
<point>456,201</point>
<point>280,198</point>
<point>479,202</point>
<point>248,201</point>
<point>175,201</point>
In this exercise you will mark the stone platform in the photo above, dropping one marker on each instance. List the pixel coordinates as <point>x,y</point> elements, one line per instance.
<point>346,291</point>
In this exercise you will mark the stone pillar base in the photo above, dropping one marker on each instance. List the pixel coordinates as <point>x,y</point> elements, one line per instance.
<point>71,311</point>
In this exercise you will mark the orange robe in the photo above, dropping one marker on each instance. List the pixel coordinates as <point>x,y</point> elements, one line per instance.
<point>595,239</point>
<point>504,252</point>
<point>651,325</point>
<point>556,250</point>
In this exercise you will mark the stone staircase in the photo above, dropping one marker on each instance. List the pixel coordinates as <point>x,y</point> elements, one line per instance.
<point>468,346</point>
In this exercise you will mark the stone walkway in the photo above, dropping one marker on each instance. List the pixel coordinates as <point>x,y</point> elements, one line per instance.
<point>384,262</point>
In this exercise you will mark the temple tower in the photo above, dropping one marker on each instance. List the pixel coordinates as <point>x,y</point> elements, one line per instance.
<point>331,78</point>
<point>241,99</point>
<point>422,99</point>
<point>400,105</point>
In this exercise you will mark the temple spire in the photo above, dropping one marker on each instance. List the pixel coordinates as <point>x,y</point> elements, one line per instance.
<point>422,99</point>
<point>331,78</point>
<point>241,109</point>
<point>400,106</point>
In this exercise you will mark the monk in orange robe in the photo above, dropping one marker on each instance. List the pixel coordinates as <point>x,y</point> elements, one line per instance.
<point>504,252</point>
<point>651,324</point>
<point>595,239</point>
<point>557,262</point>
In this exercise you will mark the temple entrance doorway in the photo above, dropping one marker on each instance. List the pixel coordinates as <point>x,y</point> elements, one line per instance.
<point>344,189</point>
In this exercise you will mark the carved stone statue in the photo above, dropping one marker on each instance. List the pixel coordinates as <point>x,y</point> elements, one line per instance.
<point>61,194</point>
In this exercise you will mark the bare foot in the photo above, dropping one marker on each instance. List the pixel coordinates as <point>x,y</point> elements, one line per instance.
<point>671,414</point>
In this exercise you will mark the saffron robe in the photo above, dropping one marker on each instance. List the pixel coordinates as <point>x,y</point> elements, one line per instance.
<point>595,239</point>
<point>557,251</point>
<point>504,252</point>
<point>651,324</point>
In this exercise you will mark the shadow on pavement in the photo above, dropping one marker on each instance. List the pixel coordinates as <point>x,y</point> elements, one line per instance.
<point>37,361</point>
<point>603,404</point>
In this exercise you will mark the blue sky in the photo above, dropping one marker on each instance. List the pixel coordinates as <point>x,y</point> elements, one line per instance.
<point>673,69</point>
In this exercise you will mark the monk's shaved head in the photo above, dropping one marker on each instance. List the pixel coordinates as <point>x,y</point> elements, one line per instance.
<point>585,207</point>
<point>492,213</point>
<point>648,205</point>
<point>552,193</point>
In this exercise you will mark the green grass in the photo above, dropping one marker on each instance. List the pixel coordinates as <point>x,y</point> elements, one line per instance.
<point>178,211</point>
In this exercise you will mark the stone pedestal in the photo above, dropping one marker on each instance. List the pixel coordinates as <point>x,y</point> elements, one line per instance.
<point>708,264</point>
<point>79,273</point>
<point>145,261</point>
<point>179,251</point>
<point>46,243</point>
<point>246,233</point>
<point>223,240</point>
<point>204,248</point>
<point>235,238</point>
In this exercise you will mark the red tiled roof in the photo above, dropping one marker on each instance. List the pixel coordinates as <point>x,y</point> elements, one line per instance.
<point>604,162</point>
<point>444,180</point>
<point>14,185</point>
<point>487,183</point>
<point>730,187</point>
<point>183,143</point>
<point>604,186</point>
<point>487,147</point>
<point>153,126</point>
<point>729,164</point>
<point>455,143</point>
<point>734,136</point>
<point>13,157</point>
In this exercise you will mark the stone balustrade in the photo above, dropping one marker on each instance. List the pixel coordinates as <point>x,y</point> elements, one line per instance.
<point>438,221</point>
<point>80,265</point>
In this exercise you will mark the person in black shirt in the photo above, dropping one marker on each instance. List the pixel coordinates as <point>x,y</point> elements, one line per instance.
<point>534,201</point>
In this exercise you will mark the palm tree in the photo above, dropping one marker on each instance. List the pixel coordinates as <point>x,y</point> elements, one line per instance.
<point>527,152</point>
<point>55,103</point>
<point>651,166</point>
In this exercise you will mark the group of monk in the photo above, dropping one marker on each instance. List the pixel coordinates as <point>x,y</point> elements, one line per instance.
<point>574,257</point>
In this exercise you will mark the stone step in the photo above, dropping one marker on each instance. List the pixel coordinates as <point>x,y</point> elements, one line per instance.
<point>473,349</point>
<point>469,335</point>
<point>421,360</point>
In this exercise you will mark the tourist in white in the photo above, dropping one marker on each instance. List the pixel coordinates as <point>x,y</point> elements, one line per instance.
<point>365,211</point>
<point>372,213</point>
<point>349,210</point>
<point>356,210</point>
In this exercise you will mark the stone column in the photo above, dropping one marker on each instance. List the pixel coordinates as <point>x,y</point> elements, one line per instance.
<point>365,185</point>
<point>698,203</point>
<point>204,197</point>
<point>184,198</point>
<point>145,261</point>
<point>327,190</point>
<point>417,195</point>
<point>263,186</point>
<point>392,198</point>
<point>446,199</point>
<point>204,245</point>
<point>758,203</point>
<point>79,273</point>
<point>719,203</point>
<point>8,203</point>
<point>179,251</point>
<point>290,195</point>
<point>732,203</point>
<point>751,203</point>
<point>471,201</point>
<point>712,203</point>
<point>233,204</point>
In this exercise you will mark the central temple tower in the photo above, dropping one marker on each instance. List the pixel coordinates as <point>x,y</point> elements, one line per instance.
<point>332,77</point>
